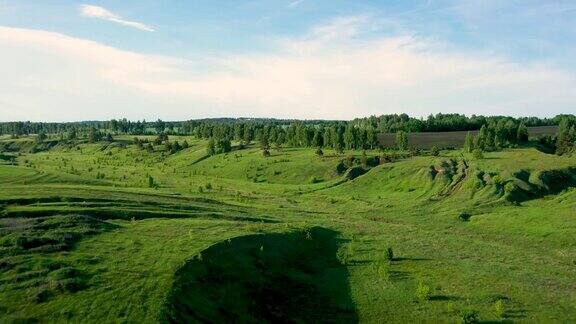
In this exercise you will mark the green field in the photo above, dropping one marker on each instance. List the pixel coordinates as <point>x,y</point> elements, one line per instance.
<point>241,237</point>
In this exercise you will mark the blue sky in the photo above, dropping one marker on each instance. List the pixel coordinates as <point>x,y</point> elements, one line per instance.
<point>67,60</point>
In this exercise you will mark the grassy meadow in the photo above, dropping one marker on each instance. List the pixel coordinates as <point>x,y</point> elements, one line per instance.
<point>108,232</point>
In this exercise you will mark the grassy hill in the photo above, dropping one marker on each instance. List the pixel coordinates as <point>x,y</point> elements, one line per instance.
<point>85,238</point>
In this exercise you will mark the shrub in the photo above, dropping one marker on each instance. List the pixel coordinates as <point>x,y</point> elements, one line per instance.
<point>423,291</point>
<point>499,308</point>
<point>468,316</point>
<point>383,270</point>
<point>389,255</point>
<point>464,217</point>
<point>319,152</point>
<point>435,151</point>
<point>314,179</point>
<point>478,154</point>
<point>341,167</point>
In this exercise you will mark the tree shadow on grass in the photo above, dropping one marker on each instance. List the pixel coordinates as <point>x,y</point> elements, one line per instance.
<point>412,259</point>
<point>269,278</point>
<point>444,298</point>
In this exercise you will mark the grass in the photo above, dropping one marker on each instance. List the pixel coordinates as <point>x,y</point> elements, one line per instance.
<point>113,249</point>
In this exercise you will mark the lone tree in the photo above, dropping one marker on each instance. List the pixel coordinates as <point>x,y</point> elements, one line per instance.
<point>469,143</point>
<point>566,137</point>
<point>401,140</point>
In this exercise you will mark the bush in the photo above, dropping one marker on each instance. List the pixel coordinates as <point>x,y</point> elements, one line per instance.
<point>464,217</point>
<point>341,167</point>
<point>423,292</point>
<point>478,154</point>
<point>435,151</point>
<point>469,316</point>
<point>389,255</point>
<point>314,179</point>
<point>499,308</point>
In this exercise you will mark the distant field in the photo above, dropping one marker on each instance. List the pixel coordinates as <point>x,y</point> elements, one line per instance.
<point>451,139</point>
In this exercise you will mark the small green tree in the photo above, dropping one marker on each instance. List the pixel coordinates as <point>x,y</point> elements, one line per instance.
<point>522,133</point>
<point>402,141</point>
<point>423,291</point>
<point>500,308</point>
<point>478,153</point>
<point>94,135</point>
<point>469,316</point>
<point>41,137</point>
<point>151,183</point>
<point>469,143</point>
<point>211,150</point>
<point>389,255</point>
<point>72,134</point>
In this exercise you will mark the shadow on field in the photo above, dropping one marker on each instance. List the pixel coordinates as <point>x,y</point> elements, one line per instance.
<point>270,278</point>
<point>412,259</point>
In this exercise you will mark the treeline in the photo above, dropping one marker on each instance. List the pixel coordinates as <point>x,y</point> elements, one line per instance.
<point>495,131</point>
<point>379,124</point>
<point>445,122</point>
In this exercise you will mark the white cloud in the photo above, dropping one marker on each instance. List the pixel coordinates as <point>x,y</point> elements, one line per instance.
<point>328,73</point>
<point>102,13</point>
<point>295,3</point>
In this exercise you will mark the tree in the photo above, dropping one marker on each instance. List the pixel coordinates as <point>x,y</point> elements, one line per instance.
<point>402,141</point>
<point>159,126</point>
<point>481,138</point>
<point>350,137</point>
<point>478,153</point>
<point>566,137</point>
<point>72,134</point>
<point>264,145</point>
<point>94,135</point>
<point>318,139</point>
<point>435,151</point>
<point>469,143</point>
<point>151,183</point>
<point>211,150</point>
<point>522,133</point>
<point>41,137</point>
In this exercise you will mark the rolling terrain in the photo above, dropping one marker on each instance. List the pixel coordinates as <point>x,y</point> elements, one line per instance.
<point>108,232</point>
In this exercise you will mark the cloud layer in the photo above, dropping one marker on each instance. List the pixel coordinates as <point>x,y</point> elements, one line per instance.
<point>331,72</point>
<point>102,13</point>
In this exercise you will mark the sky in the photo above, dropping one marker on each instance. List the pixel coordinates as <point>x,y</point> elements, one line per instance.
<point>63,60</point>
